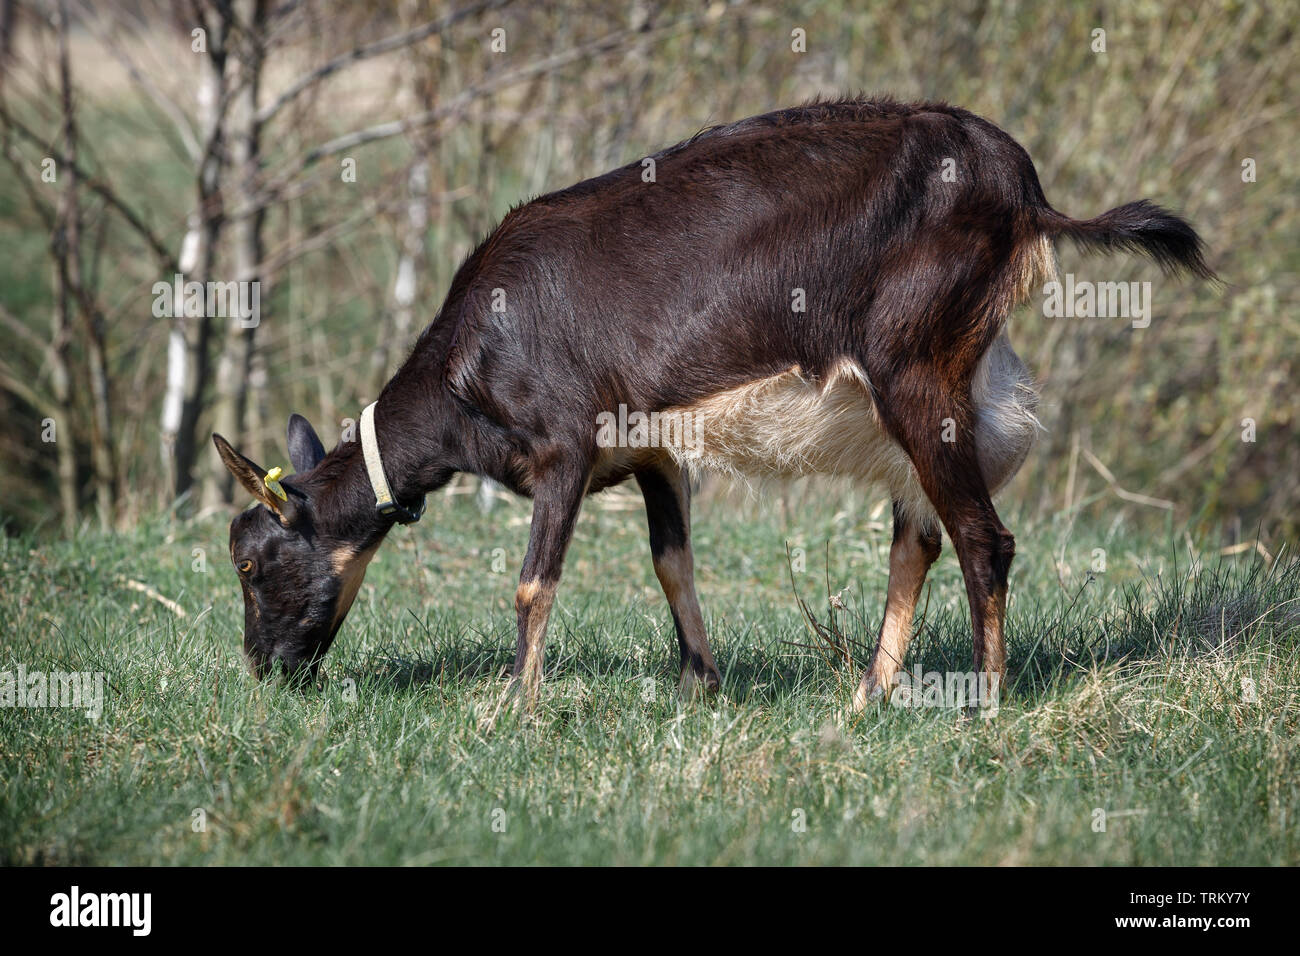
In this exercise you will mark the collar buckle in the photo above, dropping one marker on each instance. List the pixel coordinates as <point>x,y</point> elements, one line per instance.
<point>391,509</point>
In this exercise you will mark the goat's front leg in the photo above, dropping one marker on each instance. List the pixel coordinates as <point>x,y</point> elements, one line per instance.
<point>556,504</point>
<point>916,546</point>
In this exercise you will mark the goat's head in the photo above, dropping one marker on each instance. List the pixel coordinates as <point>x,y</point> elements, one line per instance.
<point>298,568</point>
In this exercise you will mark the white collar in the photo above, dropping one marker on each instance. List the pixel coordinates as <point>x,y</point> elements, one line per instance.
<point>384,501</point>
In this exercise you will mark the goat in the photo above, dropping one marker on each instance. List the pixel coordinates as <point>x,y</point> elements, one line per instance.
<point>821,289</point>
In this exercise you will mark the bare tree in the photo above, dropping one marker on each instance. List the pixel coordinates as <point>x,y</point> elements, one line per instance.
<point>72,278</point>
<point>414,225</point>
<point>66,197</point>
<point>188,344</point>
<point>237,344</point>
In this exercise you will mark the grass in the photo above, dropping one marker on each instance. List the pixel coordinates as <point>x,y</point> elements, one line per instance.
<point>1127,697</point>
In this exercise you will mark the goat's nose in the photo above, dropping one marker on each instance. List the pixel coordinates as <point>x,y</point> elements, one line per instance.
<point>258,665</point>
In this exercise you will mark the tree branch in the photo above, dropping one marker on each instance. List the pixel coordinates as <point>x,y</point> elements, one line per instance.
<point>270,193</point>
<point>100,189</point>
<point>164,102</point>
<point>365,52</point>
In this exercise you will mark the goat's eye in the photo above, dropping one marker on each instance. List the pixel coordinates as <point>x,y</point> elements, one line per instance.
<point>245,567</point>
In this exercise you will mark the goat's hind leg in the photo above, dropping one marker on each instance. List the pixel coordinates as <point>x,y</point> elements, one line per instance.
<point>935,390</point>
<point>950,474</point>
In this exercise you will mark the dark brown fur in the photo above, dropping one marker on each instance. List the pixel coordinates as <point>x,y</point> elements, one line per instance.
<point>657,295</point>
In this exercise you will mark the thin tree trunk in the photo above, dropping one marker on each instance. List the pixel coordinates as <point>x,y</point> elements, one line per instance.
<point>7,10</point>
<point>188,343</point>
<point>413,256</point>
<point>410,265</point>
<point>238,349</point>
<point>61,352</point>
<point>101,435</point>
<point>61,378</point>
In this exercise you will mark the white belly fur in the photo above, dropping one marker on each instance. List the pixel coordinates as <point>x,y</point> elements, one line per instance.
<point>789,425</point>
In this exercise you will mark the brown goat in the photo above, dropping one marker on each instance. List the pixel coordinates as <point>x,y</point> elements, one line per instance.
<point>818,290</point>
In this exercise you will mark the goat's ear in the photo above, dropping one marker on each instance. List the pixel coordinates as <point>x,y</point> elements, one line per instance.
<point>251,476</point>
<point>305,448</point>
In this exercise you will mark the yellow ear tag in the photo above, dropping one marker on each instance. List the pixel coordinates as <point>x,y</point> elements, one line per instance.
<point>272,482</point>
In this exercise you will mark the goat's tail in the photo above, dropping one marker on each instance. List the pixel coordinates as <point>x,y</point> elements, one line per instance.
<point>1136,227</point>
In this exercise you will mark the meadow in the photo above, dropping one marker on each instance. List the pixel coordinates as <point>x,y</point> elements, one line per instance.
<point>1151,712</point>
<point>1151,715</point>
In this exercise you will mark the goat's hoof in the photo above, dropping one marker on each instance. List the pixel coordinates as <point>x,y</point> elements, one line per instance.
<point>695,686</point>
<point>523,694</point>
<point>869,691</point>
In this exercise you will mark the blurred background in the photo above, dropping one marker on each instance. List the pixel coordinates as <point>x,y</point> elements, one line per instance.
<point>348,156</point>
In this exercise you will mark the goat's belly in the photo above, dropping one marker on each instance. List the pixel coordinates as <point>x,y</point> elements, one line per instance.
<point>789,425</point>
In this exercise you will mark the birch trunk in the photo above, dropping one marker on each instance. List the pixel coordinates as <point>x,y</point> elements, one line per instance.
<point>188,341</point>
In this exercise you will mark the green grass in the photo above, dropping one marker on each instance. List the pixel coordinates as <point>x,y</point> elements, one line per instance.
<point>1127,696</point>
